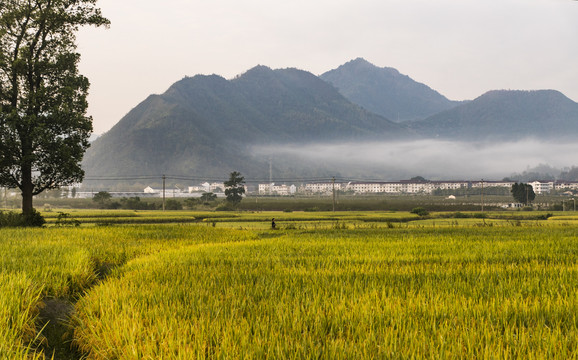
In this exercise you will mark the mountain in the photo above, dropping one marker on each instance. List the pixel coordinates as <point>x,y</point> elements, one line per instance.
<point>506,115</point>
<point>386,92</point>
<point>205,126</point>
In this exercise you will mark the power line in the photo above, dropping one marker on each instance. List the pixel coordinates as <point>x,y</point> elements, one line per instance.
<point>201,178</point>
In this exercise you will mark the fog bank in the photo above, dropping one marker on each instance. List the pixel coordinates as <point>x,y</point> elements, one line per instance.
<point>432,159</point>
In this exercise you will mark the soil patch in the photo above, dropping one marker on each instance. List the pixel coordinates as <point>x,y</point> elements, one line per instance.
<point>54,318</point>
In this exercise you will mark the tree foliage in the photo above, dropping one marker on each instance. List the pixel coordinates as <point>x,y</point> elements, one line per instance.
<point>172,204</point>
<point>102,197</point>
<point>420,211</point>
<point>44,128</point>
<point>208,197</point>
<point>235,188</point>
<point>523,193</point>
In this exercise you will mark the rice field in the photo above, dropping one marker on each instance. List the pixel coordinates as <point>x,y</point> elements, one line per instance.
<point>346,286</point>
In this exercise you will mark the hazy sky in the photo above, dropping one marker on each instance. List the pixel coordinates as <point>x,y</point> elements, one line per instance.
<point>461,48</point>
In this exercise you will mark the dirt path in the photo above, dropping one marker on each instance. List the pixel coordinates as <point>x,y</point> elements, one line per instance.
<point>54,316</point>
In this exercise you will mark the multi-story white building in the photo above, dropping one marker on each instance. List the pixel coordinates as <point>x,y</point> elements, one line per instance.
<point>542,187</point>
<point>322,187</point>
<point>450,185</point>
<point>404,187</point>
<point>272,189</point>
<point>566,185</point>
<point>365,187</point>
<point>486,183</point>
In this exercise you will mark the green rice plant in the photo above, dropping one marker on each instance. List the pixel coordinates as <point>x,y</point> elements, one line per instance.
<point>370,287</point>
<point>19,303</point>
<point>404,293</point>
<point>64,262</point>
<point>48,258</point>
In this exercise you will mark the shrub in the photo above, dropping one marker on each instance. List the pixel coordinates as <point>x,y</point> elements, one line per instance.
<point>172,204</point>
<point>134,203</point>
<point>64,219</point>
<point>546,216</point>
<point>34,219</point>
<point>12,219</point>
<point>460,215</point>
<point>226,207</point>
<point>420,211</point>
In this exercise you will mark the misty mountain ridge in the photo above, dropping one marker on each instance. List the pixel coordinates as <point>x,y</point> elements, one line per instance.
<point>207,126</point>
<point>386,92</point>
<point>506,115</point>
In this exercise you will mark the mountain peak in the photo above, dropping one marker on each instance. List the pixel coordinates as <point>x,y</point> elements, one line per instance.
<point>541,94</point>
<point>360,62</point>
<point>205,124</point>
<point>506,115</point>
<point>258,70</point>
<point>385,91</point>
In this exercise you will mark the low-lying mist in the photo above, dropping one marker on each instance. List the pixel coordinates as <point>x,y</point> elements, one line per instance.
<point>432,159</point>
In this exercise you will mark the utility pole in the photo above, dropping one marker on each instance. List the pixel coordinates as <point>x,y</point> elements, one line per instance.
<point>482,195</point>
<point>333,188</point>
<point>164,178</point>
<point>270,176</point>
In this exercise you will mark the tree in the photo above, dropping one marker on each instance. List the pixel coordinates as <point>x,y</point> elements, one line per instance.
<point>101,197</point>
<point>172,204</point>
<point>523,193</point>
<point>44,129</point>
<point>208,197</point>
<point>419,178</point>
<point>420,211</point>
<point>235,188</point>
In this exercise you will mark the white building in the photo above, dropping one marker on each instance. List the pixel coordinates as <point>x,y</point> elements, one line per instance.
<point>322,187</point>
<point>212,187</point>
<point>542,187</point>
<point>272,189</point>
<point>194,189</point>
<point>150,190</point>
<point>450,185</point>
<point>566,185</point>
<point>486,183</point>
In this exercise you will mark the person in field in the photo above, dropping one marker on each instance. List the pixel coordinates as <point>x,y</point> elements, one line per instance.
<point>273,223</point>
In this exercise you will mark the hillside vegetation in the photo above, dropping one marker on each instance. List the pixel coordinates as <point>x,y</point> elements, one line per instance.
<point>506,115</point>
<point>386,92</point>
<point>208,126</point>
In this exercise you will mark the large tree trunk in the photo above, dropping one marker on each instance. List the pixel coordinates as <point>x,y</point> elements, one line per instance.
<point>27,190</point>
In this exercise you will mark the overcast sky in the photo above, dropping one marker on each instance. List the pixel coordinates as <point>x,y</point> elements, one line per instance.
<point>461,48</point>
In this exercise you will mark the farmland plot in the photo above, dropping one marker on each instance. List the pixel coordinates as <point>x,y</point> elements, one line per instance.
<point>364,293</point>
<point>40,264</point>
<point>350,285</point>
